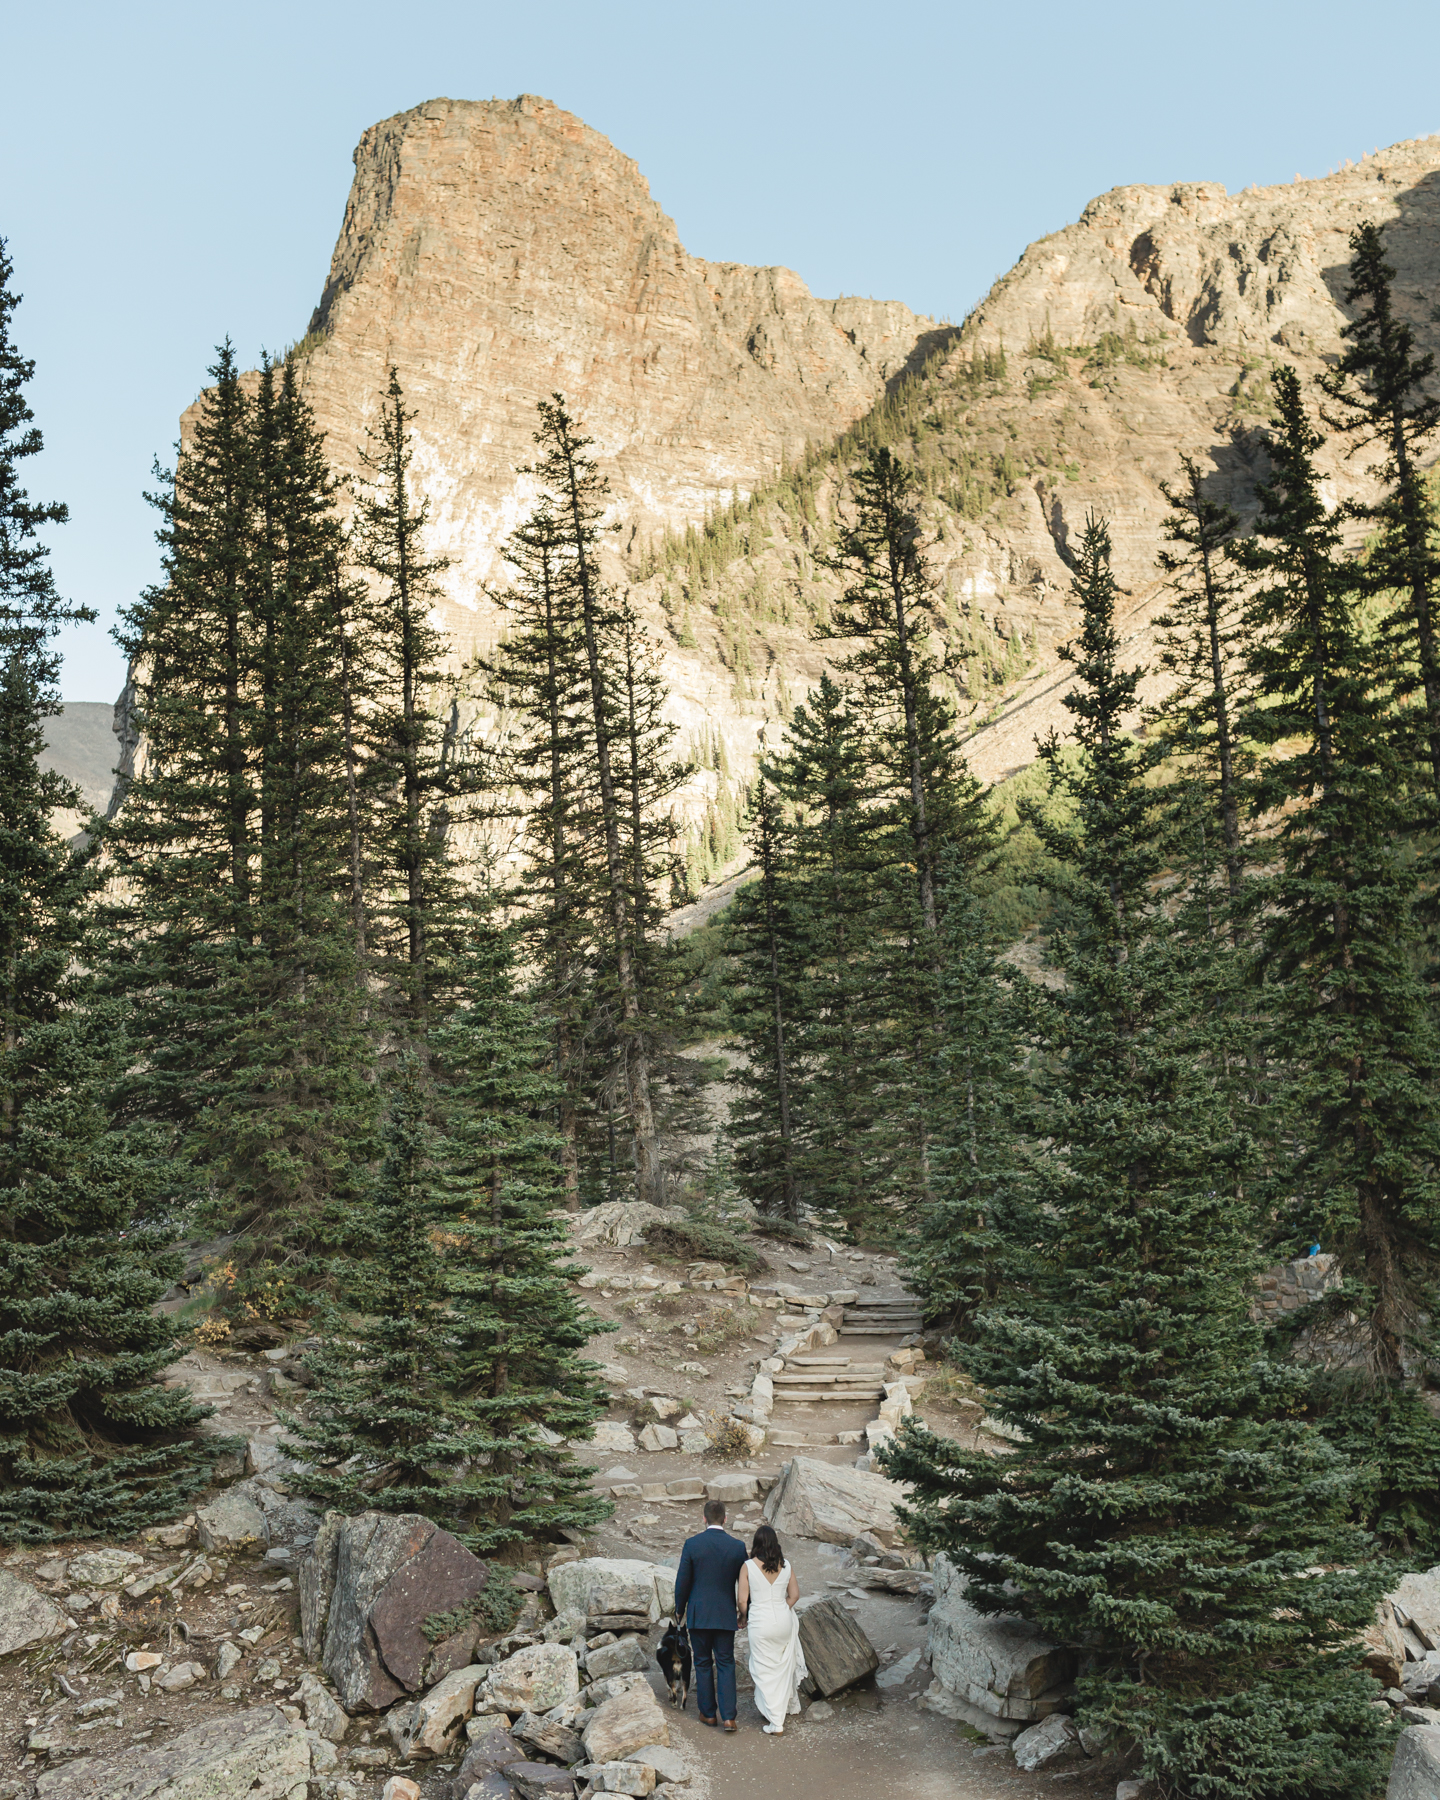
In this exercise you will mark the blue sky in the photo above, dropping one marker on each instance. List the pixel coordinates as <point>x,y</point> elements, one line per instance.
<point>173,173</point>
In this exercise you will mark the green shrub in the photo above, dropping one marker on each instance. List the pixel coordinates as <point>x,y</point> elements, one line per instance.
<point>692,1240</point>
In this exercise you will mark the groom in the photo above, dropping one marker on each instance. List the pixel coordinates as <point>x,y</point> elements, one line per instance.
<point>710,1565</point>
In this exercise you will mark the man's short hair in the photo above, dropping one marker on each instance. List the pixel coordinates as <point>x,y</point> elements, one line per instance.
<point>714,1512</point>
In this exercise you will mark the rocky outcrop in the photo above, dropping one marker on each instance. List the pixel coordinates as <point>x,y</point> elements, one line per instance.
<point>254,1755</point>
<point>26,1616</point>
<point>365,1593</point>
<point>817,1500</point>
<point>1415,1773</point>
<point>999,1663</point>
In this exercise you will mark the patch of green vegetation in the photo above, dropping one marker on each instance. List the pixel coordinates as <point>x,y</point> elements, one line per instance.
<point>497,1607</point>
<point>693,1240</point>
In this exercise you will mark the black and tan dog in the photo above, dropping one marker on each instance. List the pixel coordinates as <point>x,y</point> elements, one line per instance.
<point>673,1655</point>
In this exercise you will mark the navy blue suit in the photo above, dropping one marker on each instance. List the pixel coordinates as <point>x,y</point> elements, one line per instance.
<point>710,1565</point>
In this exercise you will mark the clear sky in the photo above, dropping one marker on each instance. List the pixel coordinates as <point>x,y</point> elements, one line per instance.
<point>173,173</point>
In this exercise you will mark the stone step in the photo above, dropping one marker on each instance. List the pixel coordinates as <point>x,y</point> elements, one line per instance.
<point>848,1396</point>
<point>878,1330</point>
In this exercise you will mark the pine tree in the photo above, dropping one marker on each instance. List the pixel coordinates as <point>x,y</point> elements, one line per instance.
<point>765,943</point>
<point>1202,646</point>
<point>1337,918</point>
<point>418,910</point>
<point>823,778</point>
<point>538,680</point>
<point>447,1381</point>
<point>89,1440</point>
<point>1161,1516</point>
<point>233,930</point>
<point>1380,391</point>
<point>954,1254</point>
<point>578,494</point>
<point>923,796</point>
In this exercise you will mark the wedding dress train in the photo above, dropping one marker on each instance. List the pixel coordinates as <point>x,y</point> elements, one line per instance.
<point>777,1663</point>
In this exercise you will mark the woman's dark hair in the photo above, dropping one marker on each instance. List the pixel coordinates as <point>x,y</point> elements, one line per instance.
<point>766,1550</point>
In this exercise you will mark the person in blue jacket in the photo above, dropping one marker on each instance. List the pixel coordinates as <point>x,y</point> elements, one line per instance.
<point>710,1566</point>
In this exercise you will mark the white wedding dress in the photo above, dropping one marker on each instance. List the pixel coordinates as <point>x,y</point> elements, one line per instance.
<point>777,1663</point>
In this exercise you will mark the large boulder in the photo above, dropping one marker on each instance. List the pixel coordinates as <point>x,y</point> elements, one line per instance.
<point>26,1616</point>
<point>584,1586</point>
<point>487,1755</point>
<point>817,1500</point>
<point>432,1724</point>
<point>1415,1773</point>
<point>997,1662</point>
<point>837,1652</point>
<point>1415,1605</point>
<point>616,1659</point>
<point>627,1722</point>
<point>232,1523</point>
<point>365,1593</point>
<point>535,1679</point>
<point>1053,1740</point>
<point>255,1755</point>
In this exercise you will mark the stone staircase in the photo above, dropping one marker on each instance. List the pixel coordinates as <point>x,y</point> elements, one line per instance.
<point>834,1378</point>
<point>882,1315</point>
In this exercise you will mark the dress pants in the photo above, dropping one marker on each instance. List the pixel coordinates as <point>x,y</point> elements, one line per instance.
<point>719,1645</point>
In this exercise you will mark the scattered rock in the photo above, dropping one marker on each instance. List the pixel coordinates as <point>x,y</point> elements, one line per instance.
<point>140,1660</point>
<point>622,1778</point>
<point>616,1659</point>
<point>183,1675</point>
<point>534,1679</point>
<point>625,1723</point>
<point>999,1663</point>
<point>100,1568</point>
<point>610,1436</point>
<point>549,1737</point>
<point>441,1577</point>
<point>1415,1773</point>
<point>400,1787</point>
<point>26,1616</point>
<point>574,1585</point>
<point>663,1760</point>
<point>489,1753</point>
<point>1383,1647</point>
<point>664,1407</point>
<point>695,1443</point>
<point>1054,1739</point>
<point>254,1755</point>
<point>323,1712</point>
<point>435,1720</point>
<point>539,1781</point>
<point>655,1438</point>
<point>837,1652</point>
<point>232,1523</point>
<point>817,1500</point>
<point>734,1490</point>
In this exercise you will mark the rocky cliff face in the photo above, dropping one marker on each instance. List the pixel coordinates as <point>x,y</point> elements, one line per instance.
<point>497,251</point>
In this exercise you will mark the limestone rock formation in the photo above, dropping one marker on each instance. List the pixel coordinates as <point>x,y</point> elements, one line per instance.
<point>497,251</point>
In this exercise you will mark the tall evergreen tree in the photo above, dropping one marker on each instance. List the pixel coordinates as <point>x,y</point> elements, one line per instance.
<point>1160,1515</point>
<point>538,680</point>
<point>1202,646</point>
<point>233,929</point>
<point>822,778</point>
<point>89,1440</point>
<point>1380,389</point>
<point>765,941</point>
<point>955,1252</point>
<point>418,908</point>
<point>1337,916</point>
<point>578,495</point>
<point>456,1347</point>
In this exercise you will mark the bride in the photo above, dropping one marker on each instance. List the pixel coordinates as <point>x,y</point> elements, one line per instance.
<point>767,1592</point>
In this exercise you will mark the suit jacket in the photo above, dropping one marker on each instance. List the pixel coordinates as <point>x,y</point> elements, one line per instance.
<point>710,1565</point>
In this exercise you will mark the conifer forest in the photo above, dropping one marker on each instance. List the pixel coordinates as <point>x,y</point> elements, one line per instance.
<point>373,1005</point>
